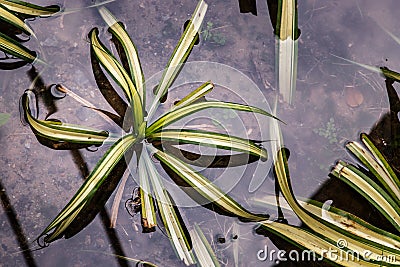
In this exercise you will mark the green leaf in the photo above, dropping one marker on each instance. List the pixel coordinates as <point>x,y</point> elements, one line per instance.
<point>180,54</point>
<point>370,190</point>
<point>118,31</point>
<point>64,132</point>
<point>323,229</point>
<point>12,47</point>
<point>211,139</point>
<point>121,77</point>
<point>90,186</point>
<point>206,188</point>
<point>204,253</point>
<point>149,220</point>
<point>180,113</point>
<point>384,71</point>
<point>30,9</point>
<point>377,165</point>
<point>338,217</point>
<point>4,117</point>
<point>10,18</point>
<point>204,89</point>
<point>287,49</point>
<point>176,231</point>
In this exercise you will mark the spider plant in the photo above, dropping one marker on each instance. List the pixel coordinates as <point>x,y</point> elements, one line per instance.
<point>146,139</point>
<point>13,13</point>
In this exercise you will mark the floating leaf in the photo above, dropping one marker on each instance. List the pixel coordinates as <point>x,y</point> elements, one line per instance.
<point>180,54</point>
<point>12,47</point>
<point>90,186</point>
<point>180,113</point>
<point>117,30</point>
<point>172,222</point>
<point>30,9</point>
<point>212,139</point>
<point>10,18</point>
<point>206,188</point>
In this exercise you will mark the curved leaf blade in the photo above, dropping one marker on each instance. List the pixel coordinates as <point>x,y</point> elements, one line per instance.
<point>12,47</point>
<point>118,31</point>
<point>180,113</point>
<point>376,166</point>
<point>10,18</point>
<point>63,132</point>
<point>180,54</point>
<point>204,253</point>
<point>30,9</point>
<point>121,77</point>
<point>205,188</point>
<point>370,190</point>
<point>325,229</point>
<point>211,139</point>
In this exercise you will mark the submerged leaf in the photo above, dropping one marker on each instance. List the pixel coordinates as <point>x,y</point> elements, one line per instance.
<point>4,117</point>
<point>204,253</point>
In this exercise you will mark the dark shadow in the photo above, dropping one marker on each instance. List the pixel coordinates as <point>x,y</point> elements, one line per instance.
<point>385,136</point>
<point>16,227</point>
<point>197,197</point>
<point>248,6</point>
<point>96,205</point>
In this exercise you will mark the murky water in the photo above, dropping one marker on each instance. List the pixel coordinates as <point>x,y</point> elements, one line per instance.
<point>37,181</point>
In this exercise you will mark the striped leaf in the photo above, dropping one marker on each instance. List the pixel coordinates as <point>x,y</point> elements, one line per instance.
<point>287,48</point>
<point>30,9</point>
<point>63,132</point>
<point>180,54</point>
<point>204,253</point>
<point>204,89</point>
<point>148,212</point>
<point>12,47</point>
<point>180,113</point>
<point>326,232</point>
<point>376,164</point>
<point>96,178</point>
<point>211,139</point>
<point>121,77</point>
<point>206,188</point>
<point>370,190</point>
<point>7,16</point>
<point>338,217</point>
<point>118,31</point>
<point>176,231</point>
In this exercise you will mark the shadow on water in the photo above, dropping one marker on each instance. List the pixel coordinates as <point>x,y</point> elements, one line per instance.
<point>96,204</point>
<point>16,227</point>
<point>385,136</point>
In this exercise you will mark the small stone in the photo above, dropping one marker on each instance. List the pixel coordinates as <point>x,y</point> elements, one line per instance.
<point>354,97</point>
